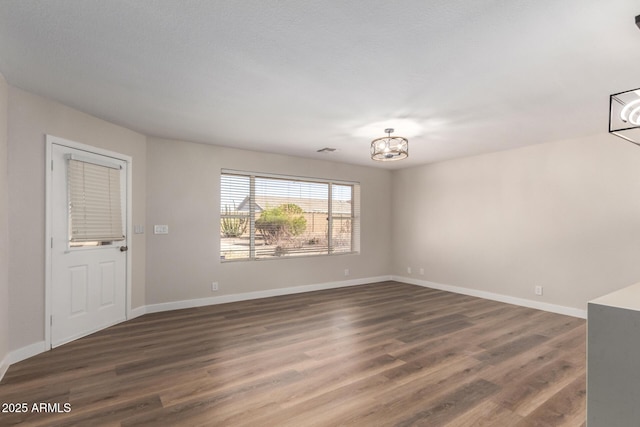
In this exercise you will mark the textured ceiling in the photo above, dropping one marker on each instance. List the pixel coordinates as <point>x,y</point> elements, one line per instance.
<point>292,77</point>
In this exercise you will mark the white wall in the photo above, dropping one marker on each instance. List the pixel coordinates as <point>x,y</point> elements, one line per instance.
<point>30,118</point>
<point>563,215</point>
<point>183,191</point>
<point>4,231</point>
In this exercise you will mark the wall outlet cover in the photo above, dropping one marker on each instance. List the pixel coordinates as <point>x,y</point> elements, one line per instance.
<point>160,229</point>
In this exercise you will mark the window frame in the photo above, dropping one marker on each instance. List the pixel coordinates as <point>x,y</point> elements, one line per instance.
<point>253,255</point>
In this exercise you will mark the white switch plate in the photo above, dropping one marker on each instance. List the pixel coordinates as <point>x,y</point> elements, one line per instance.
<point>138,229</point>
<point>160,229</point>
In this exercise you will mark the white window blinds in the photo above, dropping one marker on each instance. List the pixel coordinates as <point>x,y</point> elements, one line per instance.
<point>95,202</point>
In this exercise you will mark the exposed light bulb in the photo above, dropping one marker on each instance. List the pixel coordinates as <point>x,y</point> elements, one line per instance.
<point>624,114</point>
<point>635,112</point>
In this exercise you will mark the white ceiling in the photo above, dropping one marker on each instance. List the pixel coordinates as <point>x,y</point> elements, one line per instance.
<point>295,76</point>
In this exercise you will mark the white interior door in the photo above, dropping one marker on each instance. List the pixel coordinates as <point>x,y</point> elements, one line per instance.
<point>88,286</point>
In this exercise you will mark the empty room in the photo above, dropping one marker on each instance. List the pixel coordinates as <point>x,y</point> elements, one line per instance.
<point>305,213</point>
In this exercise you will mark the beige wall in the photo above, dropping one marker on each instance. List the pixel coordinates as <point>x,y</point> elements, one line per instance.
<point>30,118</point>
<point>563,215</point>
<point>4,227</point>
<point>183,191</point>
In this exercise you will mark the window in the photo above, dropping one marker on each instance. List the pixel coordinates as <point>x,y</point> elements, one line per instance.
<point>271,216</point>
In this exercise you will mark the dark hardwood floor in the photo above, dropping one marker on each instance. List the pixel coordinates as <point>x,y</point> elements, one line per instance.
<point>384,354</point>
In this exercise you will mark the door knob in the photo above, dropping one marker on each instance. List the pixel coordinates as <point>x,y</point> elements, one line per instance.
<point>124,248</point>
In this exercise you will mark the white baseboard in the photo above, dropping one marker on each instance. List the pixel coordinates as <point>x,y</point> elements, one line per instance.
<point>137,312</point>
<point>4,365</point>
<point>554,308</point>
<point>223,299</point>
<point>26,352</point>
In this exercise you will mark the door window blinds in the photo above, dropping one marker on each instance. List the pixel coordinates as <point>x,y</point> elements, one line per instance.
<point>95,202</point>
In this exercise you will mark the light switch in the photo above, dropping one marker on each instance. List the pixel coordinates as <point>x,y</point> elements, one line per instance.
<point>138,229</point>
<point>160,229</point>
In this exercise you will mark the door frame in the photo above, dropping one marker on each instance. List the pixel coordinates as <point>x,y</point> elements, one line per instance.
<point>54,140</point>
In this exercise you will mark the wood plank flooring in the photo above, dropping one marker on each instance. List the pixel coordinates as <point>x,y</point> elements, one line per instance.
<point>384,354</point>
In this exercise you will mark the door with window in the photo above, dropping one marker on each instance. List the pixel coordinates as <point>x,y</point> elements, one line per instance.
<point>88,206</point>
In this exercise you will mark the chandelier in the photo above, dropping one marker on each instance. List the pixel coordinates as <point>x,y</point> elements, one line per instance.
<point>624,115</point>
<point>389,147</point>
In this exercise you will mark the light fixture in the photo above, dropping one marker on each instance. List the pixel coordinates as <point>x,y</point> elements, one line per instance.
<point>389,147</point>
<point>624,115</point>
<point>624,112</point>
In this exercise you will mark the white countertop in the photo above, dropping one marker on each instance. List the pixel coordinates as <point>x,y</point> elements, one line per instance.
<point>627,298</point>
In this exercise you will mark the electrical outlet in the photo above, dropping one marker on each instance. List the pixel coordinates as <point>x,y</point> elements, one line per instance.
<point>421,271</point>
<point>538,290</point>
<point>346,271</point>
<point>409,270</point>
<point>214,286</point>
